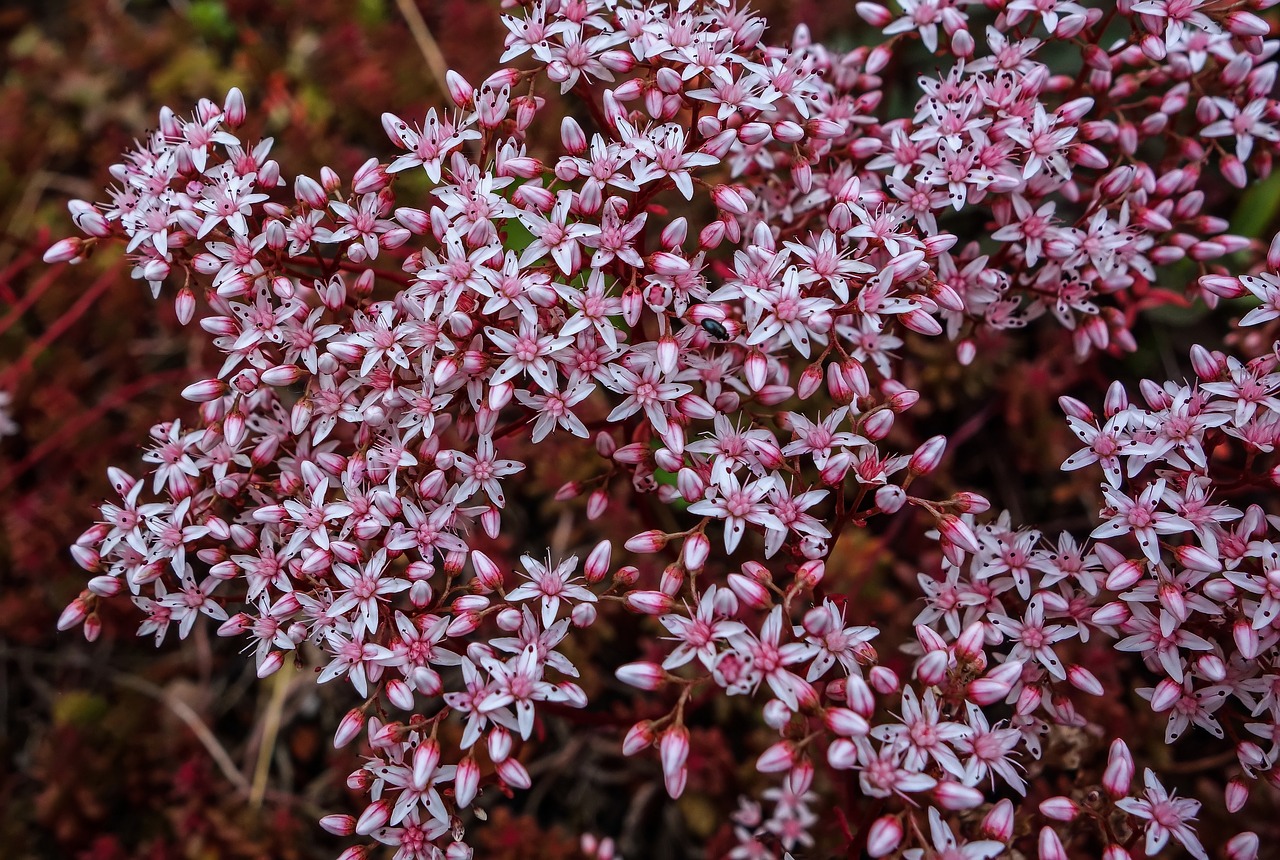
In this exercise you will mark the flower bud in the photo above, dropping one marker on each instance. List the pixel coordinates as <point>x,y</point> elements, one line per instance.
<point>1059,809</point>
<point>673,749</point>
<point>777,758</point>
<point>649,602</point>
<point>884,680</point>
<point>639,737</point>
<point>1050,846</point>
<point>885,833</point>
<point>999,821</point>
<point>513,774</point>
<point>846,722</point>
<point>643,675</point>
<point>927,457</point>
<point>1243,846</point>
<point>842,754</point>
<point>1084,680</point>
<point>647,542</point>
<point>488,574</point>
<point>1118,775</point>
<point>954,796</point>
<point>374,817</point>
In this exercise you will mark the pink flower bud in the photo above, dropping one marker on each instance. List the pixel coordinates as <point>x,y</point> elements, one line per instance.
<point>205,390</point>
<point>597,504</point>
<point>649,602</point>
<point>513,774</point>
<point>666,263</point>
<point>995,686</point>
<point>1118,775</point>
<point>927,457</point>
<point>282,374</point>
<point>583,616</point>
<point>1166,695</point>
<point>462,93</point>
<point>846,722</point>
<point>931,670</point>
<point>874,14</point>
<point>470,603</point>
<point>884,680</point>
<point>1059,809</point>
<point>711,235</point>
<point>466,782</point>
<point>375,817</point>
<point>88,219</point>
<point>1234,172</point>
<point>488,574</point>
<point>63,251</point>
<point>1125,575</point>
<point>729,199</point>
<point>509,619</point>
<point>918,320</point>
<point>810,381</point>
<point>859,697</point>
<point>158,270</point>
<point>673,749</point>
<point>885,833</point>
<point>1236,794</point>
<point>749,591</point>
<point>647,542</point>
<point>777,758</point>
<point>1222,285</point>
<point>810,574</point>
<point>970,642</point>
<point>1243,23</point>
<point>954,796</point>
<point>463,624</point>
<point>645,676</point>
<point>878,424</point>
<point>400,694</point>
<point>639,737</point>
<point>890,498</point>
<point>696,550</point>
<point>339,825</point>
<point>1085,681</point>
<point>672,580</point>
<point>1243,846</point>
<point>999,821</point>
<point>499,744</point>
<point>369,177</point>
<point>233,113</point>
<point>674,234</point>
<point>842,754</point>
<point>75,613</point>
<point>956,532</point>
<point>1248,643</point>
<point>597,565</point>
<point>1050,846</point>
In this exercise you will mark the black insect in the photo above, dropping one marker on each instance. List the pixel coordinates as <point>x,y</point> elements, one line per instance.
<point>715,328</point>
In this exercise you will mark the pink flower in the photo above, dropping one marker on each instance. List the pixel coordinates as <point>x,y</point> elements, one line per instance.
<point>551,585</point>
<point>1166,815</point>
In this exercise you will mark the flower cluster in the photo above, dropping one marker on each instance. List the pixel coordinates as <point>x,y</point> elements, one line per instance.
<point>709,294</point>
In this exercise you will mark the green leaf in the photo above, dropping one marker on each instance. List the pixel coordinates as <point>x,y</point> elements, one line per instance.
<point>210,19</point>
<point>1258,208</point>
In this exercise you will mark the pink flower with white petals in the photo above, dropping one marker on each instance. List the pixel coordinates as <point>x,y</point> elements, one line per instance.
<point>1166,815</point>
<point>551,585</point>
<point>738,503</point>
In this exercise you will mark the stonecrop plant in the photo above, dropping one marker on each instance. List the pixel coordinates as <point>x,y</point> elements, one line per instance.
<point>699,264</point>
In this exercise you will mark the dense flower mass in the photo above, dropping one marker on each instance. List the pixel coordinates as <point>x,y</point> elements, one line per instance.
<point>707,289</point>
